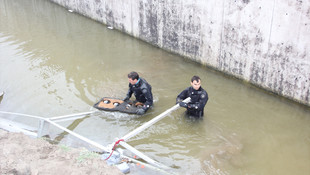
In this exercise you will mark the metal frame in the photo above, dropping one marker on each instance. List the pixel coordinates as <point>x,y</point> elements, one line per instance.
<point>44,124</point>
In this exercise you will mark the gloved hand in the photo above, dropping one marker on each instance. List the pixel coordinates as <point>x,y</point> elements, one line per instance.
<point>145,107</point>
<point>183,104</point>
<point>126,98</point>
<point>140,111</point>
<point>193,106</point>
<point>178,100</point>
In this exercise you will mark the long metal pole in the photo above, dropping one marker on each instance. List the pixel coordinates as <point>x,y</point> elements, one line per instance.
<point>142,156</point>
<point>60,118</point>
<point>151,122</point>
<point>79,136</point>
<point>19,114</point>
<point>149,166</point>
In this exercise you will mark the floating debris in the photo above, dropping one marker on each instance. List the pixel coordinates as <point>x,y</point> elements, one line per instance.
<point>110,27</point>
<point>70,10</point>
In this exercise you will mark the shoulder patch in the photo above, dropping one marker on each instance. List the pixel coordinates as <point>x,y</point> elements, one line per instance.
<point>203,95</point>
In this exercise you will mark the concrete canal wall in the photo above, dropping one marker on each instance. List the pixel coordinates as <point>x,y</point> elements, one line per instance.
<point>264,42</point>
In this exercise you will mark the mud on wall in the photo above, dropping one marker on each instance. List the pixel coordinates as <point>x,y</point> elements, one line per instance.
<point>265,42</point>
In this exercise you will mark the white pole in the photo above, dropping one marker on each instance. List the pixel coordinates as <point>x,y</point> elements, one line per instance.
<point>19,114</point>
<point>70,115</point>
<point>79,136</point>
<point>148,165</point>
<point>142,156</point>
<point>151,122</point>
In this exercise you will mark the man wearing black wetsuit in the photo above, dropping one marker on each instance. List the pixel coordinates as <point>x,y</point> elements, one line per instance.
<point>142,90</point>
<point>198,95</point>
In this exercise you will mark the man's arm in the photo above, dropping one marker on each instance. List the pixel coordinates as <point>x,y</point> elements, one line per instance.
<point>149,101</point>
<point>183,95</point>
<point>129,93</point>
<point>148,95</point>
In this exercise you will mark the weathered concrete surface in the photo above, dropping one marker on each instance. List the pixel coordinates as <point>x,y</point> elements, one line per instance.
<point>265,42</point>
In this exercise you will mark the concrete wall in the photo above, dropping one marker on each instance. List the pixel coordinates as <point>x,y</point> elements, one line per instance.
<point>265,42</point>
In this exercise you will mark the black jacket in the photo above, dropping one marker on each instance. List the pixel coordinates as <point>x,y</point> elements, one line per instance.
<point>142,91</point>
<point>198,101</point>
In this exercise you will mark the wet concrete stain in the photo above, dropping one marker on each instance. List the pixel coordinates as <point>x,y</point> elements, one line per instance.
<point>148,21</point>
<point>276,75</point>
<point>191,30</point>
<point>171,27</point>
<point>235,52</point>
<point>99,11</point>
<point>109,17</point>
<point>246,1</point>
<point>180,32</point>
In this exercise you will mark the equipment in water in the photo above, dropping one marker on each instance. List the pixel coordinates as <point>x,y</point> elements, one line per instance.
<point>114,104</point>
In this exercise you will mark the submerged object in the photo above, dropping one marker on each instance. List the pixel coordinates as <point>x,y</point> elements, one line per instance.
<point>114,104</point>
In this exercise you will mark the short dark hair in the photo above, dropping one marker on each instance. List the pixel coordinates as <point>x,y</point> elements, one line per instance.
<point>133,75</point>
<point>195,78</point>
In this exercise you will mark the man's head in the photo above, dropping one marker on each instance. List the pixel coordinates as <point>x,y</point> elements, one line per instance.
<point>133,77</point>
<point>195,82</point>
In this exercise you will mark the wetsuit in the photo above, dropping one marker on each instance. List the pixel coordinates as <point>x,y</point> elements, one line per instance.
<point>143,93</point>
<point>198,101</point>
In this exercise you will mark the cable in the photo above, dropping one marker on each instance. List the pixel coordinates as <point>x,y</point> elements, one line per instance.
<point>115,145</point>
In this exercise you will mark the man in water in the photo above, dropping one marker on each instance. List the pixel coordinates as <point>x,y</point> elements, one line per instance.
<point>142,90</point>
<point>198,95</point>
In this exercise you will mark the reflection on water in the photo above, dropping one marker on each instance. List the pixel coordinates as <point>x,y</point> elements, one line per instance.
<point>53,63</point>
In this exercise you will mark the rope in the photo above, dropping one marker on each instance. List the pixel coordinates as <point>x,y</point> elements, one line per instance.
<point>115,145</point>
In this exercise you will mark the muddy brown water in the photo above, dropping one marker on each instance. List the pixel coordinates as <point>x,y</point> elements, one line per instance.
<point>54,62</point>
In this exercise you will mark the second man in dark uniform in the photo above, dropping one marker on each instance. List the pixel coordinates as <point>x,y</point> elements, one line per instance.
<point>198,95</point>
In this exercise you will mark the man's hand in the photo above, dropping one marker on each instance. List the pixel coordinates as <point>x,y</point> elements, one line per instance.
<point>178,100</point>
<point>183,104</point>
<point>126,98</point>
<point>140,111</point>
<point>194,106</point>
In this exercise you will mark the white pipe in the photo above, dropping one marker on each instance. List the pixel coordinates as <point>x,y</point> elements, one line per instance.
<point>32,116</point>
<point>70,115</point>
<point>79,136</point>
<point>151,122</point>
<point>142,156</point>
<point>147,165</point>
